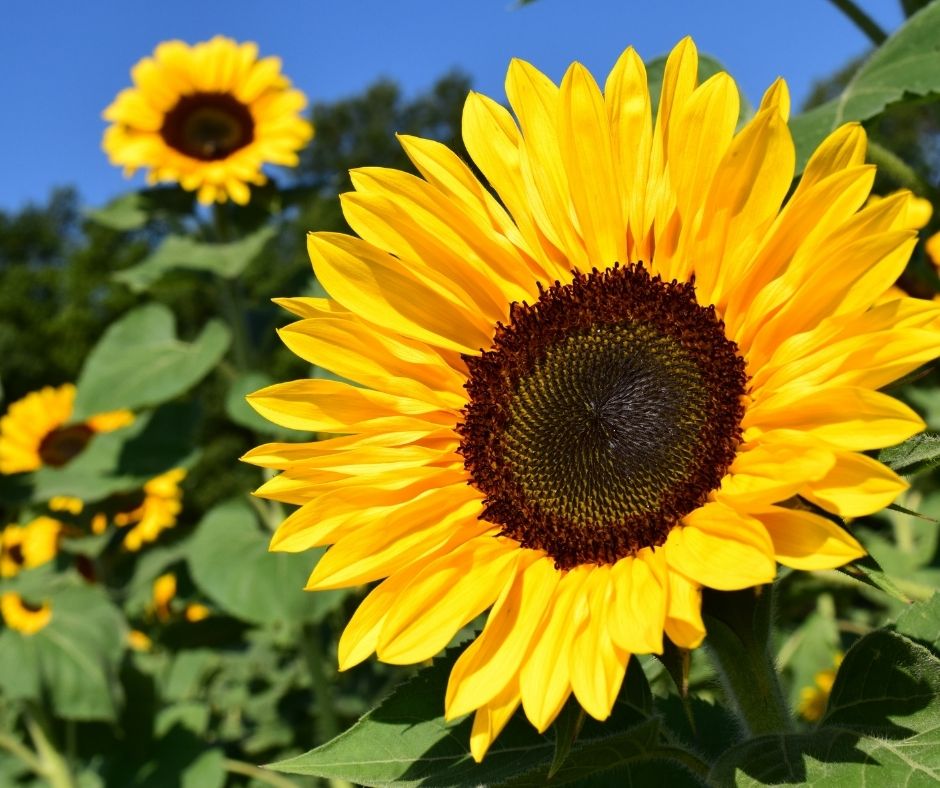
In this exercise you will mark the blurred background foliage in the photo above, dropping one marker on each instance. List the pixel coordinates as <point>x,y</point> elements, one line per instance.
<point>193,657</point>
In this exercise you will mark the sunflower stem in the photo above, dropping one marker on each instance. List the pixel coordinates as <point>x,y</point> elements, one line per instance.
<point>54,766</point>
<point>230,297</point>
<point>313,653</point>
<point>862,21</point>
<point>738,643</point>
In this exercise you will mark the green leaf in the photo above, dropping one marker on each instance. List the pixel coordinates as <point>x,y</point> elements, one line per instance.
<point>240,411</point>
<point>132,211</point>
<point>707,67</point>
<point>181,252</point>
<point>181,759</point>
<point>908,63</point>
<point>868,571</point>
<point>921,622</point>
<point>406,742</point>
<point>882,726</point>
<point>127,212</point>
<point>123,460</point>
<point>74,659</point>
<point>230,563</point>
<point>915,454</point>
<point>139,362</point>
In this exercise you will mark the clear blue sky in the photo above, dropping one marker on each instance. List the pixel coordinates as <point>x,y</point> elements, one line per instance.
<point>62,62</point>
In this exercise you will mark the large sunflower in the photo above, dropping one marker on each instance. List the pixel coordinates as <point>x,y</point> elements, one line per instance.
<point>37,430</point>
<point>208,116</point>
<point>579,403</point>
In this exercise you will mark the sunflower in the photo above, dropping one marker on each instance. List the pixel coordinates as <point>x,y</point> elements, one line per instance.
<point>813,700</point>
<point>36,430</point>
<point>207,116</point>
<point>28,546</point>
<point>156,511</point>
<point>581,400</point>
<point>23,616</point>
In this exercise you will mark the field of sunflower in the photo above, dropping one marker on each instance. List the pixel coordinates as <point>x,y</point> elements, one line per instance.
<point>598,446</point>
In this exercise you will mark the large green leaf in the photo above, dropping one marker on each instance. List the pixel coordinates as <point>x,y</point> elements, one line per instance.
<point>229,561</point>
<point>406,742</point>
<point>140,362</point>
<point>882,726</point>
<point>132,211</point>
<point>907,64</point>
<point>181,252</point>
<point>123,460</point>
<point>238,408</point>
<point>73,660</point>
<point>921,622</point>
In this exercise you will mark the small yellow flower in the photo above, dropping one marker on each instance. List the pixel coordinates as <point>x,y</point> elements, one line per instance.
<point>139,641</point>
<point>207,116</point>
<point>162,502</point>
<point>29,546</point>
<point>23,616</point>
<point>36,430</point>
<point>813,700</point>
<point>164,590</point>
<point>197,612</point>
<point>66,503</point>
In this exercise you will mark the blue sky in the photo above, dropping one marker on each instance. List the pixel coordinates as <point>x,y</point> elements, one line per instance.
<point>61,63</point>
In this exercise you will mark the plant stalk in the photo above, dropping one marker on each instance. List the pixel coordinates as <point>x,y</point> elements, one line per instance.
<point>53,765</point>
<point>738,643</point>
<point>862,21</point>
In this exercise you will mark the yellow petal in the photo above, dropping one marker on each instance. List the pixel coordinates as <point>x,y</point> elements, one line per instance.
<point>443,597</point>
<point>588,159</point>
<point>331,406</point>
<point>597,665</point>
<point>721,548</point>
<point>684,624</point>
<point>847,417</point>
<point>493,659</point>
<point>371,283</point>
<point>545,676</point>
<point>803,540</point>
<point>639,610</point>
<point>490,719</point>
<point>856,486</point>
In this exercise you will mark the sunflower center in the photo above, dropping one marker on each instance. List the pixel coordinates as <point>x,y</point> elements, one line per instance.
<point>208,126</point>
<point>603,413</point>
<point>61,445</point>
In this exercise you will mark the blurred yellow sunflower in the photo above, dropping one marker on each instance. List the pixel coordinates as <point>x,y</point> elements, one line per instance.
<point>580,403</point>
<point>24,616</point>
<point>28,546</point>
<point>156,512</point>
<point>813,700</point>
<point>207,116</point>
<point>36,430</point>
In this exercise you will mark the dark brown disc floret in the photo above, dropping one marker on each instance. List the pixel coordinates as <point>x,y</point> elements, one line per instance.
<point>602,414</point>
<point>208,126</point>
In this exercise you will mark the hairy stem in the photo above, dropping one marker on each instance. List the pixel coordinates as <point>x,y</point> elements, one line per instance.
<point>257,774</point>
<point>738,624</point>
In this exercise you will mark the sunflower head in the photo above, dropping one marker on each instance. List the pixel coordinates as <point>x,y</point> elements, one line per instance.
<point>152,511</point>
<point>29,546</point>
<point>208,117</point>
<point>24,616</point>
<point>36,430</point>
<point>647,367</point>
